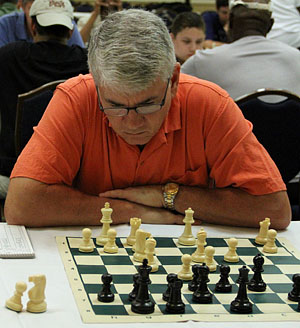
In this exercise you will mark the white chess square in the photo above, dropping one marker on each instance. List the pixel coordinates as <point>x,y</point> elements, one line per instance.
<point>88,260</point>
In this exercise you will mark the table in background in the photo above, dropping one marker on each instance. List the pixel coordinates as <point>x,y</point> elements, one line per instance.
<point>62,310</point>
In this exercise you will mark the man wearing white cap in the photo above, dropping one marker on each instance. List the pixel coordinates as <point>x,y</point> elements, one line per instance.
<point>26,65</point>
<point>251,61</point>
<point>17,26</point>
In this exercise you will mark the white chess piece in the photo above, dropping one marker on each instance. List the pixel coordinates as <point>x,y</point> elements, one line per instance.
<point>150,251</point>
<point>111,246</point>
<point>140,245</point>
<point>36,294</point>
<point>15,303</point>
<point>231,255</point>
<point>186,272</point>
<point>86,244</point>
<point>106,222</point>
<point>187,237</point>
<point>135,223</point>
<point>199,255</point>
<point>261,238</point>
<point>209,258</point>
<point>270,246</point>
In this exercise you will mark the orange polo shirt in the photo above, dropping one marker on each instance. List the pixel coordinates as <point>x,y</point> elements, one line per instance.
<point>204,138</point>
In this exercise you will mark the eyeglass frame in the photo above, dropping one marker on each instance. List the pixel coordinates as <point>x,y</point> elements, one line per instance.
<point>133,107</point>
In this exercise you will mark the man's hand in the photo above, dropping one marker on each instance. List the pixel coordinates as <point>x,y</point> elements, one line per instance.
<point>145,195</point>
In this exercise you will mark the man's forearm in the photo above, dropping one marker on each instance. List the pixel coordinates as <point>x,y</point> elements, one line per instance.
<point>230,206</point>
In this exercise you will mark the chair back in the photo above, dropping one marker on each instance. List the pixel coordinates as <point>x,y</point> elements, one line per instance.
<point>30,109</point>
<point>276,126</point>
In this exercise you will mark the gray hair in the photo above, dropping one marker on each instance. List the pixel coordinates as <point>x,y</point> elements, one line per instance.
<point>130,50</point>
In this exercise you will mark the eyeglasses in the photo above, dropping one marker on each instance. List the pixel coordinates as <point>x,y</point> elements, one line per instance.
<point>143,109</point>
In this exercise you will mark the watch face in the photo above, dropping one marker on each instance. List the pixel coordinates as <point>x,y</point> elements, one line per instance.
<point>171,187</point>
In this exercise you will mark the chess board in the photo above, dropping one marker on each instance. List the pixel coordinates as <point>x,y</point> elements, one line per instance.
<point>84,272</point>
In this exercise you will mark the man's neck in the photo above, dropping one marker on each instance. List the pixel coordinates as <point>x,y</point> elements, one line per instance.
<point>39,38</point>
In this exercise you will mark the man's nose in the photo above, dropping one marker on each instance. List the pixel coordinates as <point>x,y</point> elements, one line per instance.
<point>133,119</point>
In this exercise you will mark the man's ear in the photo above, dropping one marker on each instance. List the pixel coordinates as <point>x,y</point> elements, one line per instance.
<point>175,80</point>
<point>70,33</point>
<point>33,29</point>
<point>172,36</point>
<point>271,24</point>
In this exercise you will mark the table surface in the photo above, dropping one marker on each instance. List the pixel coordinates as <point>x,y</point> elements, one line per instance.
<point>62,310</point>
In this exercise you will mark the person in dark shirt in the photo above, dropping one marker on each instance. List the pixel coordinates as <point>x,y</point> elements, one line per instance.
<point>25,66</point>
<point>216,24</point>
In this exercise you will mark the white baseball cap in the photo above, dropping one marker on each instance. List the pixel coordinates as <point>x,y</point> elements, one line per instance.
<point>252,4</point>
<point>53,12</point>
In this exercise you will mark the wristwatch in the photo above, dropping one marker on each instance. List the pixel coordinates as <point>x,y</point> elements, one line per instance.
<point>170,191</point>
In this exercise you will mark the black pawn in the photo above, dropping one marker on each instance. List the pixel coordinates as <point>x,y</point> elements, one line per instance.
<point>170,278</point>
<point>257,284</point>
<point>133,293</point>
<point>142,304</point>
<point>223,285</point>
<point>241,303</point>
<point>105,294</point>
<point>294,294</point>
<point>192,286</point>
<point>175,304</point>
<point>202,294</point>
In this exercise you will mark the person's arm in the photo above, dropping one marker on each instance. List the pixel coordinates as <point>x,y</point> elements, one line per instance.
<point>228,206</point>
<point>33,204</point>
<point>86,29</point>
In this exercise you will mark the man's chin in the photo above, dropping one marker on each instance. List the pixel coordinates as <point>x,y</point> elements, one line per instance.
<point>136,140</point>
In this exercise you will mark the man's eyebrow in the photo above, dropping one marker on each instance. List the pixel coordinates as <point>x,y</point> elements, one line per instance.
<point>115,103</point>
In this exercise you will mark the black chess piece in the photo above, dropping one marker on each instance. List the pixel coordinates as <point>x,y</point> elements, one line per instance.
<point>223,285</point>
<point>170,278</point>
<point>294,294</point>
<point>175,304</point>
<point>202,294</point>
<point>257,284</point>
<point>192,286</point>
<point>142,304</point>
<point>133,293</point>
<point>105,294</point>
<point>241,303</point>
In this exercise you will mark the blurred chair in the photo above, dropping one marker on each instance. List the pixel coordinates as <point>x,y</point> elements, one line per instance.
<point>30,109</point>
<point>277,127</point>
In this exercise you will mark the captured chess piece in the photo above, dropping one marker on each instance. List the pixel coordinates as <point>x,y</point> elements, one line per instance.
<point>142,304</point>
<point>294,294</point>
<point>209,258</point>
<point>231,255</point>
<point>105,295</point>
<point>186,273</point>
<point>261,238</point>
<point>170,278</point>
<point>175,304</point>
<point>192,286</point>
<point>202,295</point>
<point>199,255</point>
<point>241,303</point>
<point>111,246</point>
<point>150,251</point>
<point>257,284</point>
<point>270,245</point>
<point>140,245</point>
<point>223,285</point>
<point>86,244</point>
<point>133,293</point>
<point>135,223</point>
<point>36,294</point>
<point>106,222</point>
<point>15,303</point>
<point>187,237</point>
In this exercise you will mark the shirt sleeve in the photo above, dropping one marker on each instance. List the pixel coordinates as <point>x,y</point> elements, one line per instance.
<point>209,26</point>
<point>76,38</point>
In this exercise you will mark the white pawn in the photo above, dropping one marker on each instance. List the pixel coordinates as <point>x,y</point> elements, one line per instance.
<point>106,222</point>
<point>135,223</point>
<point>14,303</point>
<point>186,273</point>
<point>270,246</point>
<point>111,246</point>
<point>86,244</point>
<point>209,258</point>
<point>231,255</point>
<point>199,255</point>
<point>187,238</point>
<point>261,238</point>
<point>150,251</point>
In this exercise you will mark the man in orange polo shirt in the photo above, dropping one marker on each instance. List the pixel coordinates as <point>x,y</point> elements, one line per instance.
<point>150,141</point>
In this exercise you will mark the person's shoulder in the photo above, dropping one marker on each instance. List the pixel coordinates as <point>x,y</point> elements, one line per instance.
<point>209,14</point>
<point>85,81</point>
<point>11,17</point>
<point>18,48</point>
